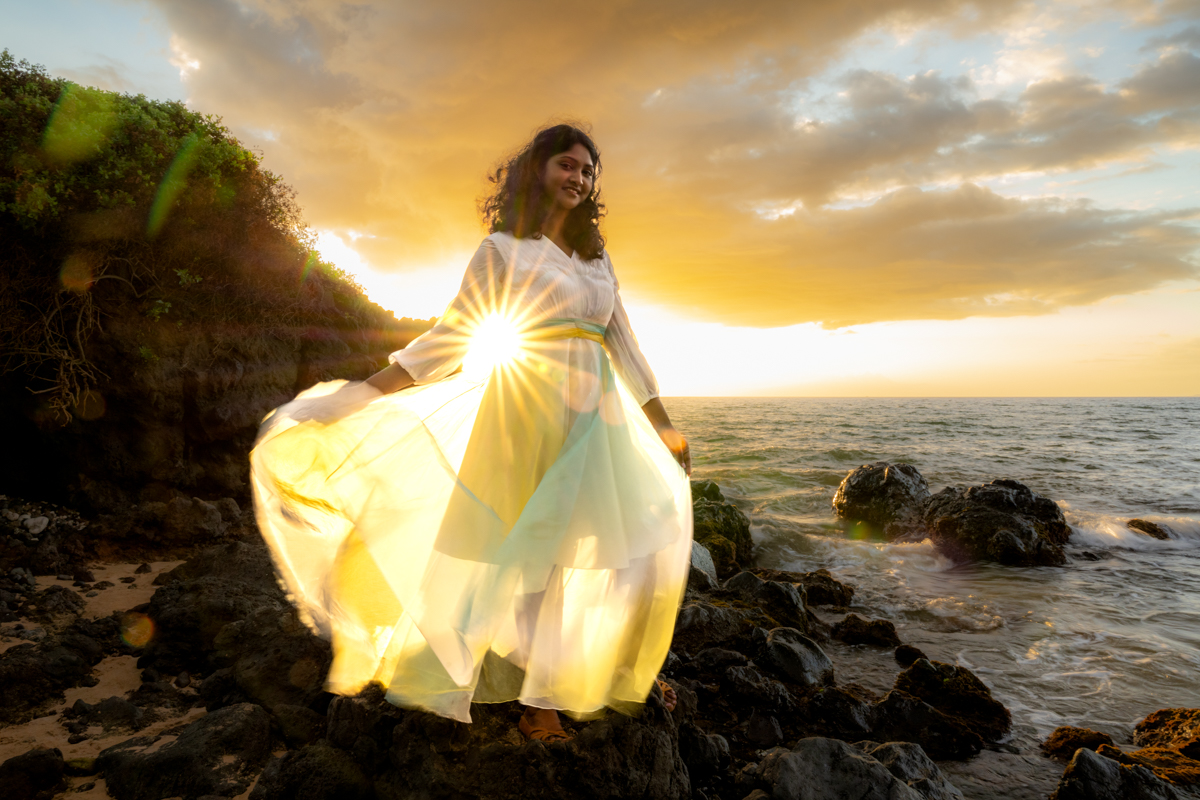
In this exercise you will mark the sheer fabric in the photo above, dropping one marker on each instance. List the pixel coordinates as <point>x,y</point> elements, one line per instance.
<point>512,530</point>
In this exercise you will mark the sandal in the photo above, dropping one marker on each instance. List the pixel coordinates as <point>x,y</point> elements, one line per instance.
<point>541,734</point>
<point>670,699</point>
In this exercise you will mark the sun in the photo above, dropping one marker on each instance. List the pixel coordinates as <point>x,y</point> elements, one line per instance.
<point>496,341</point>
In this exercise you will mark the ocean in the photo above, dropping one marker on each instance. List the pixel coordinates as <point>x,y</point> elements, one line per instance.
<point>1098,643</point>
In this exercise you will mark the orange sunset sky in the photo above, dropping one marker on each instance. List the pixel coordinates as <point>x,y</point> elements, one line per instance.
<point>921,197</point>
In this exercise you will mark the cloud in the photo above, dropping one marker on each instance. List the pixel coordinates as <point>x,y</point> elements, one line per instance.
<point>748,181</point>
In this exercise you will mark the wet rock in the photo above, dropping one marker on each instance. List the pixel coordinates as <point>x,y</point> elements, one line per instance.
<point>35,775</point>
<point>317,772</point>
<point>1172,728</point>
<point>725,531</point>
<point>828,769</point>
<point>717,659</point>
<point>783,602</point>
<point>1170,765</point>
<point>1152,529</point>
<point>299,725</point>
<point>901,717</point>
<point>819,587</point>
<point>218,754</point>
<point>700,625</point>
<point>853,629</point>
<point>906,654</point>
<point>1002,521</point>
<point>908,763</point>
<point>887,497</point>
<point>703,574</point>
<point>845,711</point>
<point>1065,740</point>
<point>707,490</point>
<point>797,658</point>
<point>750,686</point>
<point>958,693</point>
<point>1090,776</point>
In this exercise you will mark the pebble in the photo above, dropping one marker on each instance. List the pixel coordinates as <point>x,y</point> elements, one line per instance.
<point>128,579</point>
<point>92,593</point>
<point>62,577</point>
<point>11,516</point>
<point>142,569</point>
<point>36,525</point>
<point>76,738</point>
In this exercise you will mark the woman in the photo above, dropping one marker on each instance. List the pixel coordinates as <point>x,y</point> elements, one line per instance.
<point>517,529</point>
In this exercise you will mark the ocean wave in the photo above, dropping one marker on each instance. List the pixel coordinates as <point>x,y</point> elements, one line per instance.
<point>1105,531</point>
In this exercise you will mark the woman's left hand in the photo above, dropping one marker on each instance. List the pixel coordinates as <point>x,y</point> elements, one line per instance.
<point>678,446</point>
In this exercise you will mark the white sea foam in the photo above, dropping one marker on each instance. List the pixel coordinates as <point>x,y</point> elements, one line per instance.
<point>1105,531</point>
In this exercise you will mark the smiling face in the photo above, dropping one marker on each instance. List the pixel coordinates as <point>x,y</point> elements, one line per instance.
<point>569,177</point>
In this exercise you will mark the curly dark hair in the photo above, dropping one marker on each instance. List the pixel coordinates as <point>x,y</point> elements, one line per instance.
<point>519,204</point>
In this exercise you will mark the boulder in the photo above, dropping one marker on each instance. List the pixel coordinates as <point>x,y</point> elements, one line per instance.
<point>820,587</point>
<point>700,625</point>
<point>1065,740</point>
<point>828,769</point>
<point>1172,728</point>
<point>1170,765</point>
<point>1090,776</point>
<point>1151,529</point>
<point>853,629</point>
<point>888,497</point>
<point>299,726</point>
<point>957,693</point>
<point>901,717</point>
<point>725,531</point>
<point>219,754</point>
<point>797,658</point>
<point>906,655</point>
<point>1002,521</point>
<point>707,490</point>
<point>703,573</point>
<point>316,772</point>
<point>747,684</point>
<point>35,775</point>
<point>704,754</point>
<point>908,762</point>
<point>845,711</point>
<point>31,674</point>
<point>782,602</point>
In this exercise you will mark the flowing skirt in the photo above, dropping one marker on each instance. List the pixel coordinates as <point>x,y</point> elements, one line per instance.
<point>521,536</point>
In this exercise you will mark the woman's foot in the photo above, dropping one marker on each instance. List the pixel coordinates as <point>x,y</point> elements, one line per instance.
<point>543,725</point>
<point>670,699</point>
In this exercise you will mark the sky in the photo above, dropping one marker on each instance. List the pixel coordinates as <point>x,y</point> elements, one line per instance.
<point>893,198</point>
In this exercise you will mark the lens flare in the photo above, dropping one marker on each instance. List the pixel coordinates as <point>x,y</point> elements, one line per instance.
<point>494,343</point>
<point>173,182</point>
<point>80,125</point>
<point>77,274</point>
<point>136,629</point>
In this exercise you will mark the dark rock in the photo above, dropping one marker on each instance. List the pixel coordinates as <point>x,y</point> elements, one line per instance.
<point>908,763</point>
<point>1002,521</point>
<point>85,576</point>
<point>1093,777</point>
<point>271,643</point>
<point>707,490</point>
<point>783,602</point>
<point>54,602</point>
<point>752,687</point>
<point>844,711</point>
<point>317,772</point>
<point>218,754</point>
<point>183,680</point>
<point>1065,740</point>
<point>1169,765</point>
<point>887,497</point>
<point>35,775</point>
<point>32,674</point>
<point>1152,529</point>
<point>705,754</point>
<point>956,692</point>
<point>368,714</point>
<point>853,629</point>
<point>700,625</point>
<point>717,659</point>
<point>1172,728</point>
<point>901,717</point>
<point>702,576</point>
<point>220,689</point>
<point>113,712</point>
<point>797,658</point>
<point>725,531</point>
<point>299,725</point>
<point>828,769</point>
<point>906,655</point>
<point>762,729</point>
<point>142,569</point>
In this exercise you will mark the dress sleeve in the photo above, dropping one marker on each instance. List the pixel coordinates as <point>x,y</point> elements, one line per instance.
<point>622,347</point>
<point>439,351</point>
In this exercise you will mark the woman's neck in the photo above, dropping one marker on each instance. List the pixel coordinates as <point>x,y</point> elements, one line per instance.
<point>554,229</point>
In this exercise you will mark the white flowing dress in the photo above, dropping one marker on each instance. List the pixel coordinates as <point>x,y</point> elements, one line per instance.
<point>514,530</point>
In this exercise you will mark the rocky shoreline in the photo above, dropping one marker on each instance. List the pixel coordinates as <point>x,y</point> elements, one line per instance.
<point>209,686</point>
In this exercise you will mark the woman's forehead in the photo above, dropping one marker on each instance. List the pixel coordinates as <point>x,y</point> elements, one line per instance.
<point>578,152</point>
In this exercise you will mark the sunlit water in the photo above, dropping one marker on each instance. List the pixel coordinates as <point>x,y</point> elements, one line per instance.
<point>1096,643</point>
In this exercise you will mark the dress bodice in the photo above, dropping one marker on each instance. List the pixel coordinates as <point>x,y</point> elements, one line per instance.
<point>529,281</point>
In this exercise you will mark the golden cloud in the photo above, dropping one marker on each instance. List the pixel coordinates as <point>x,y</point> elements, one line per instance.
<point>737,191</point>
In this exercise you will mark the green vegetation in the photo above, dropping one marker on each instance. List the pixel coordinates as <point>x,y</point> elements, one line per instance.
<point>119,210</point>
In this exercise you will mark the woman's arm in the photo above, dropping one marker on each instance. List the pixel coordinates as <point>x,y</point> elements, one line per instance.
<point>391,378</point>
<point>672,438</point>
